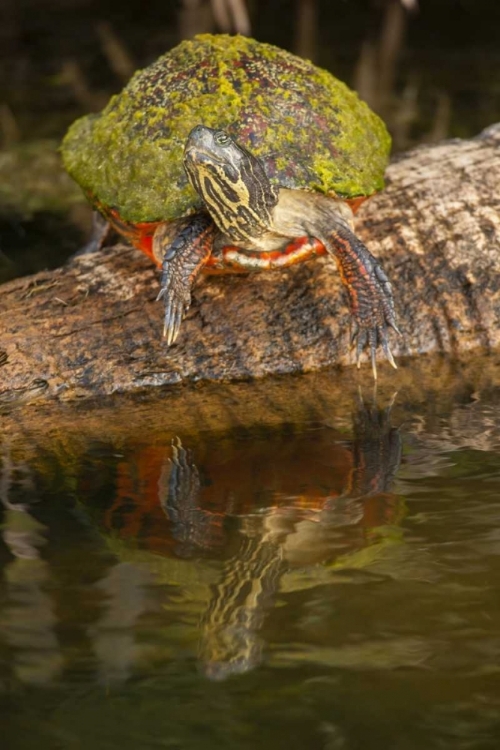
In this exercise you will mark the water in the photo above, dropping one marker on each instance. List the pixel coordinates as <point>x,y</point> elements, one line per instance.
<point>319,583</point>
<point>302,582</point>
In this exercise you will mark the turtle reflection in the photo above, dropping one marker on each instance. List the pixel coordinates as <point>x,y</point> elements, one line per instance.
<point>322,504</point>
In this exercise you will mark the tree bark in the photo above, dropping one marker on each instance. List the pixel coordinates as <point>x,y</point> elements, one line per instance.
<point>93,327</point>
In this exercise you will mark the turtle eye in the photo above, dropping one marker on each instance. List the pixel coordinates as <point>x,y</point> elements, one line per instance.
<point>222,138</point>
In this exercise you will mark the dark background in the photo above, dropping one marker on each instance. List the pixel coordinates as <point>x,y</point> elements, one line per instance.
<point>430,72</point>
<point>430,68</point>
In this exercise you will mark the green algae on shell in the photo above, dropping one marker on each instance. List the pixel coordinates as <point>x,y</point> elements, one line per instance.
<point>310,129</point>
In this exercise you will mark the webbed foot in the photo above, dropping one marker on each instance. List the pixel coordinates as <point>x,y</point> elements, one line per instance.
<point>370,295</point>
<point>183,260</point>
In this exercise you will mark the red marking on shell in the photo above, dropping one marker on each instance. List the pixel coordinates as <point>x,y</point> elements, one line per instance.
<point>140,235</point>
<point>355,203</point>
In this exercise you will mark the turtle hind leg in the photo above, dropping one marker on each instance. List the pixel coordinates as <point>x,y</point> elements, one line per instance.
<point>182,260</point>
<point>369,290</point>
<point>100,234</point>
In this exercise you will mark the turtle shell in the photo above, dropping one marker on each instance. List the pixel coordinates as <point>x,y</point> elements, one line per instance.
<point>311,131</point>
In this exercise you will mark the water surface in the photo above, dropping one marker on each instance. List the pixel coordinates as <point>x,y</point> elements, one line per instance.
<point>312,584</point>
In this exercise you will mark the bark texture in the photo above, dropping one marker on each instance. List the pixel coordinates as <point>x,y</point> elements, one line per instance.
<point>93,327</point>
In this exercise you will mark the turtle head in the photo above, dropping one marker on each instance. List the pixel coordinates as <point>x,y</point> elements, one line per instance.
<point>232,183</point>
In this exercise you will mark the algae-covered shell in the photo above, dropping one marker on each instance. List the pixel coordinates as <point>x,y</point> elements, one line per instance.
<point>311,130</point>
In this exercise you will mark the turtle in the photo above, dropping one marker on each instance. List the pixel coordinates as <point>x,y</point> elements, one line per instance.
<point>228,154</point>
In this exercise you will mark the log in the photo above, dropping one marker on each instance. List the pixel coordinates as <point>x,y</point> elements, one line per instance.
<point>93,327</point>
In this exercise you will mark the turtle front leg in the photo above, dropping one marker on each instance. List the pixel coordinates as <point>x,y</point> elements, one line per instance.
<point>183,257</point>
<point>369,291</point>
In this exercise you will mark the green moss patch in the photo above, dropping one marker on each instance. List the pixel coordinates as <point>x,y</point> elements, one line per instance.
<point>309,128</point>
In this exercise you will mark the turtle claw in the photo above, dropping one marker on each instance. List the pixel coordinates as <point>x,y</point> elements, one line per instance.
<point>372,338</point>
<point>359,337</point>
<point>177,298</point>
<point>387,351</point>
<point>367,336</point>
<point>175,309</point>
<point>354,336</point>
<point>392,324</point>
